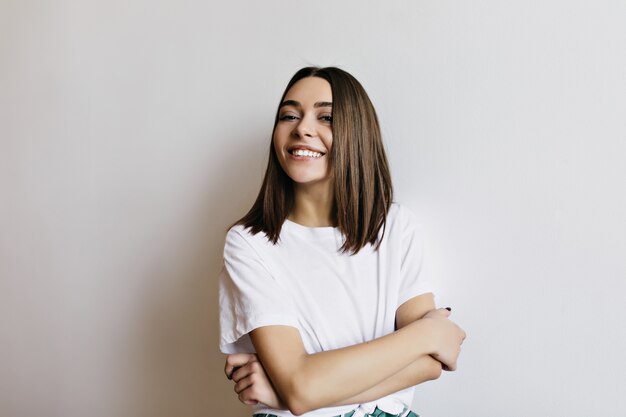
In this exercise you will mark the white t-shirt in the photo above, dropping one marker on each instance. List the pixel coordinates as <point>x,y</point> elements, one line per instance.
<point>335,300</point>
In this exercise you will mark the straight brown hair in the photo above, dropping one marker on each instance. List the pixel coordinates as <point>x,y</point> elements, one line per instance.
<point>362,183</point>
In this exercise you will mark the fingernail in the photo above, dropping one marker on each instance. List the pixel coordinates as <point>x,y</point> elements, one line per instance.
<point>449,308</point>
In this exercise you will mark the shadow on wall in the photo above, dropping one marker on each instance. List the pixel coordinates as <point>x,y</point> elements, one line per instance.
<point>182,369</point>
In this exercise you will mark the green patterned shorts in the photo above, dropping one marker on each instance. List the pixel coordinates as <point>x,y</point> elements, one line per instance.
<point>377,413</point>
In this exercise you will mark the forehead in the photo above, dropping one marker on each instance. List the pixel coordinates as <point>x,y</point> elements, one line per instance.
<point>310,90</point>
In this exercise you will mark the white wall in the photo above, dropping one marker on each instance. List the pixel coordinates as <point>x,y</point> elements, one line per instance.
<point>133,133</point>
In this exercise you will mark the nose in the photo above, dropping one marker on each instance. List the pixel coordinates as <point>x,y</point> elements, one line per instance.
<point>304,128</point>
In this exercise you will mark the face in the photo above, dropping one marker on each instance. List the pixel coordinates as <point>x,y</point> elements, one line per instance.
<point>303,135</point>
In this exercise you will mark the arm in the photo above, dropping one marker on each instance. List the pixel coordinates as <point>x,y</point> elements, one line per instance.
<point>307,382</point>
<point>253,384</point>
<point>425,368</point>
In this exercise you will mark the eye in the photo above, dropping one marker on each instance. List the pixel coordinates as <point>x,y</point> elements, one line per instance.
<point>287,117</point>
<point>326,118</point>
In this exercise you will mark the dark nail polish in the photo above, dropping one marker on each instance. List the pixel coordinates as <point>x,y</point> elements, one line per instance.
<point>449,308</point>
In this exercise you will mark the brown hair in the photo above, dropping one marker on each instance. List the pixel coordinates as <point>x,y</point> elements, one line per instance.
<point>362,183</point>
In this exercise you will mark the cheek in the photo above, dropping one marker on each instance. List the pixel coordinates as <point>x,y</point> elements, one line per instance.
<point>280,138</point>
<point>329,142</point>
<point>276,142</point>
<point>278,146</point>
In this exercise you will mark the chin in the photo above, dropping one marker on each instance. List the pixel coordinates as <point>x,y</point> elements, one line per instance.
<point>305,178</point>
<point>307,181</point>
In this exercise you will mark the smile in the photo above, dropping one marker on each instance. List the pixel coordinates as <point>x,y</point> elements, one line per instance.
<point>306,153</point>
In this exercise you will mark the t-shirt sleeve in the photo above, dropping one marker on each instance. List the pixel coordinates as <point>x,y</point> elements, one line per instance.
<point>249,296</point>
<point>415,278</point>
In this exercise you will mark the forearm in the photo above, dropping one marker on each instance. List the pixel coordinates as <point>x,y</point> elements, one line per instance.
<point>253,385</point>
<point>318,380</point>
<point>425,368</point>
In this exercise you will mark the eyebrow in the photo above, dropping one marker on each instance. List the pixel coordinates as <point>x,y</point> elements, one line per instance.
<point>297,103</point>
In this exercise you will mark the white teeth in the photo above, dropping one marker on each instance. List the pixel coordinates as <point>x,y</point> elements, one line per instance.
<point>304,152</point>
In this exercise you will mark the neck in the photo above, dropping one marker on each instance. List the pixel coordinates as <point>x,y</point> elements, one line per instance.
<point>313,205</point>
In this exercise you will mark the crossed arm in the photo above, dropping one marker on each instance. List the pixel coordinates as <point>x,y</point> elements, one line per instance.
<point>291,378</point>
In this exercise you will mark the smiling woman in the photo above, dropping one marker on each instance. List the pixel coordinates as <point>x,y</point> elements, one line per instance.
<point>359,191</point>
<point>325,308</point>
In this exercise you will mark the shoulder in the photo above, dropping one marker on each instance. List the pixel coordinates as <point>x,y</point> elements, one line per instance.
<point>240,238</point>
<point>236,232</point>
<point>239,232</point>
<point>403,225</point>
<point>401,217</point>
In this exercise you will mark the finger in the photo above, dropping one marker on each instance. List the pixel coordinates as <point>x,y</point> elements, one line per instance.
<point>439,312</point>
<point>446,364</point>
<point>245,370</point>
<point>436,357</point>
<point>237,360</point>
<point>243,384</point>
<point>451,367</point>
<point>248,396</point>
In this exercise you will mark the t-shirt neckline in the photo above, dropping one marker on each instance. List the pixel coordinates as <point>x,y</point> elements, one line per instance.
<point>310,231</point>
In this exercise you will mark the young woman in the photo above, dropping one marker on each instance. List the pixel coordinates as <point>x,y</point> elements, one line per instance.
<point>324,306</point>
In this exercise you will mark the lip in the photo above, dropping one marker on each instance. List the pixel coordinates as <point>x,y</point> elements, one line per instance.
<point>305,147</point>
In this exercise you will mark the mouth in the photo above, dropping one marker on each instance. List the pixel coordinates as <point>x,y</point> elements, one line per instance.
<point>306,152</point>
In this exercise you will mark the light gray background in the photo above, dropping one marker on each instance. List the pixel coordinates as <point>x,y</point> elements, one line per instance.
<point>133,132</point>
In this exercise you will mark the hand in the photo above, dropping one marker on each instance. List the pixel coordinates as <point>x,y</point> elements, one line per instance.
<point>236,361</point>
<point>449,337</point>
<point>251,382</point>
